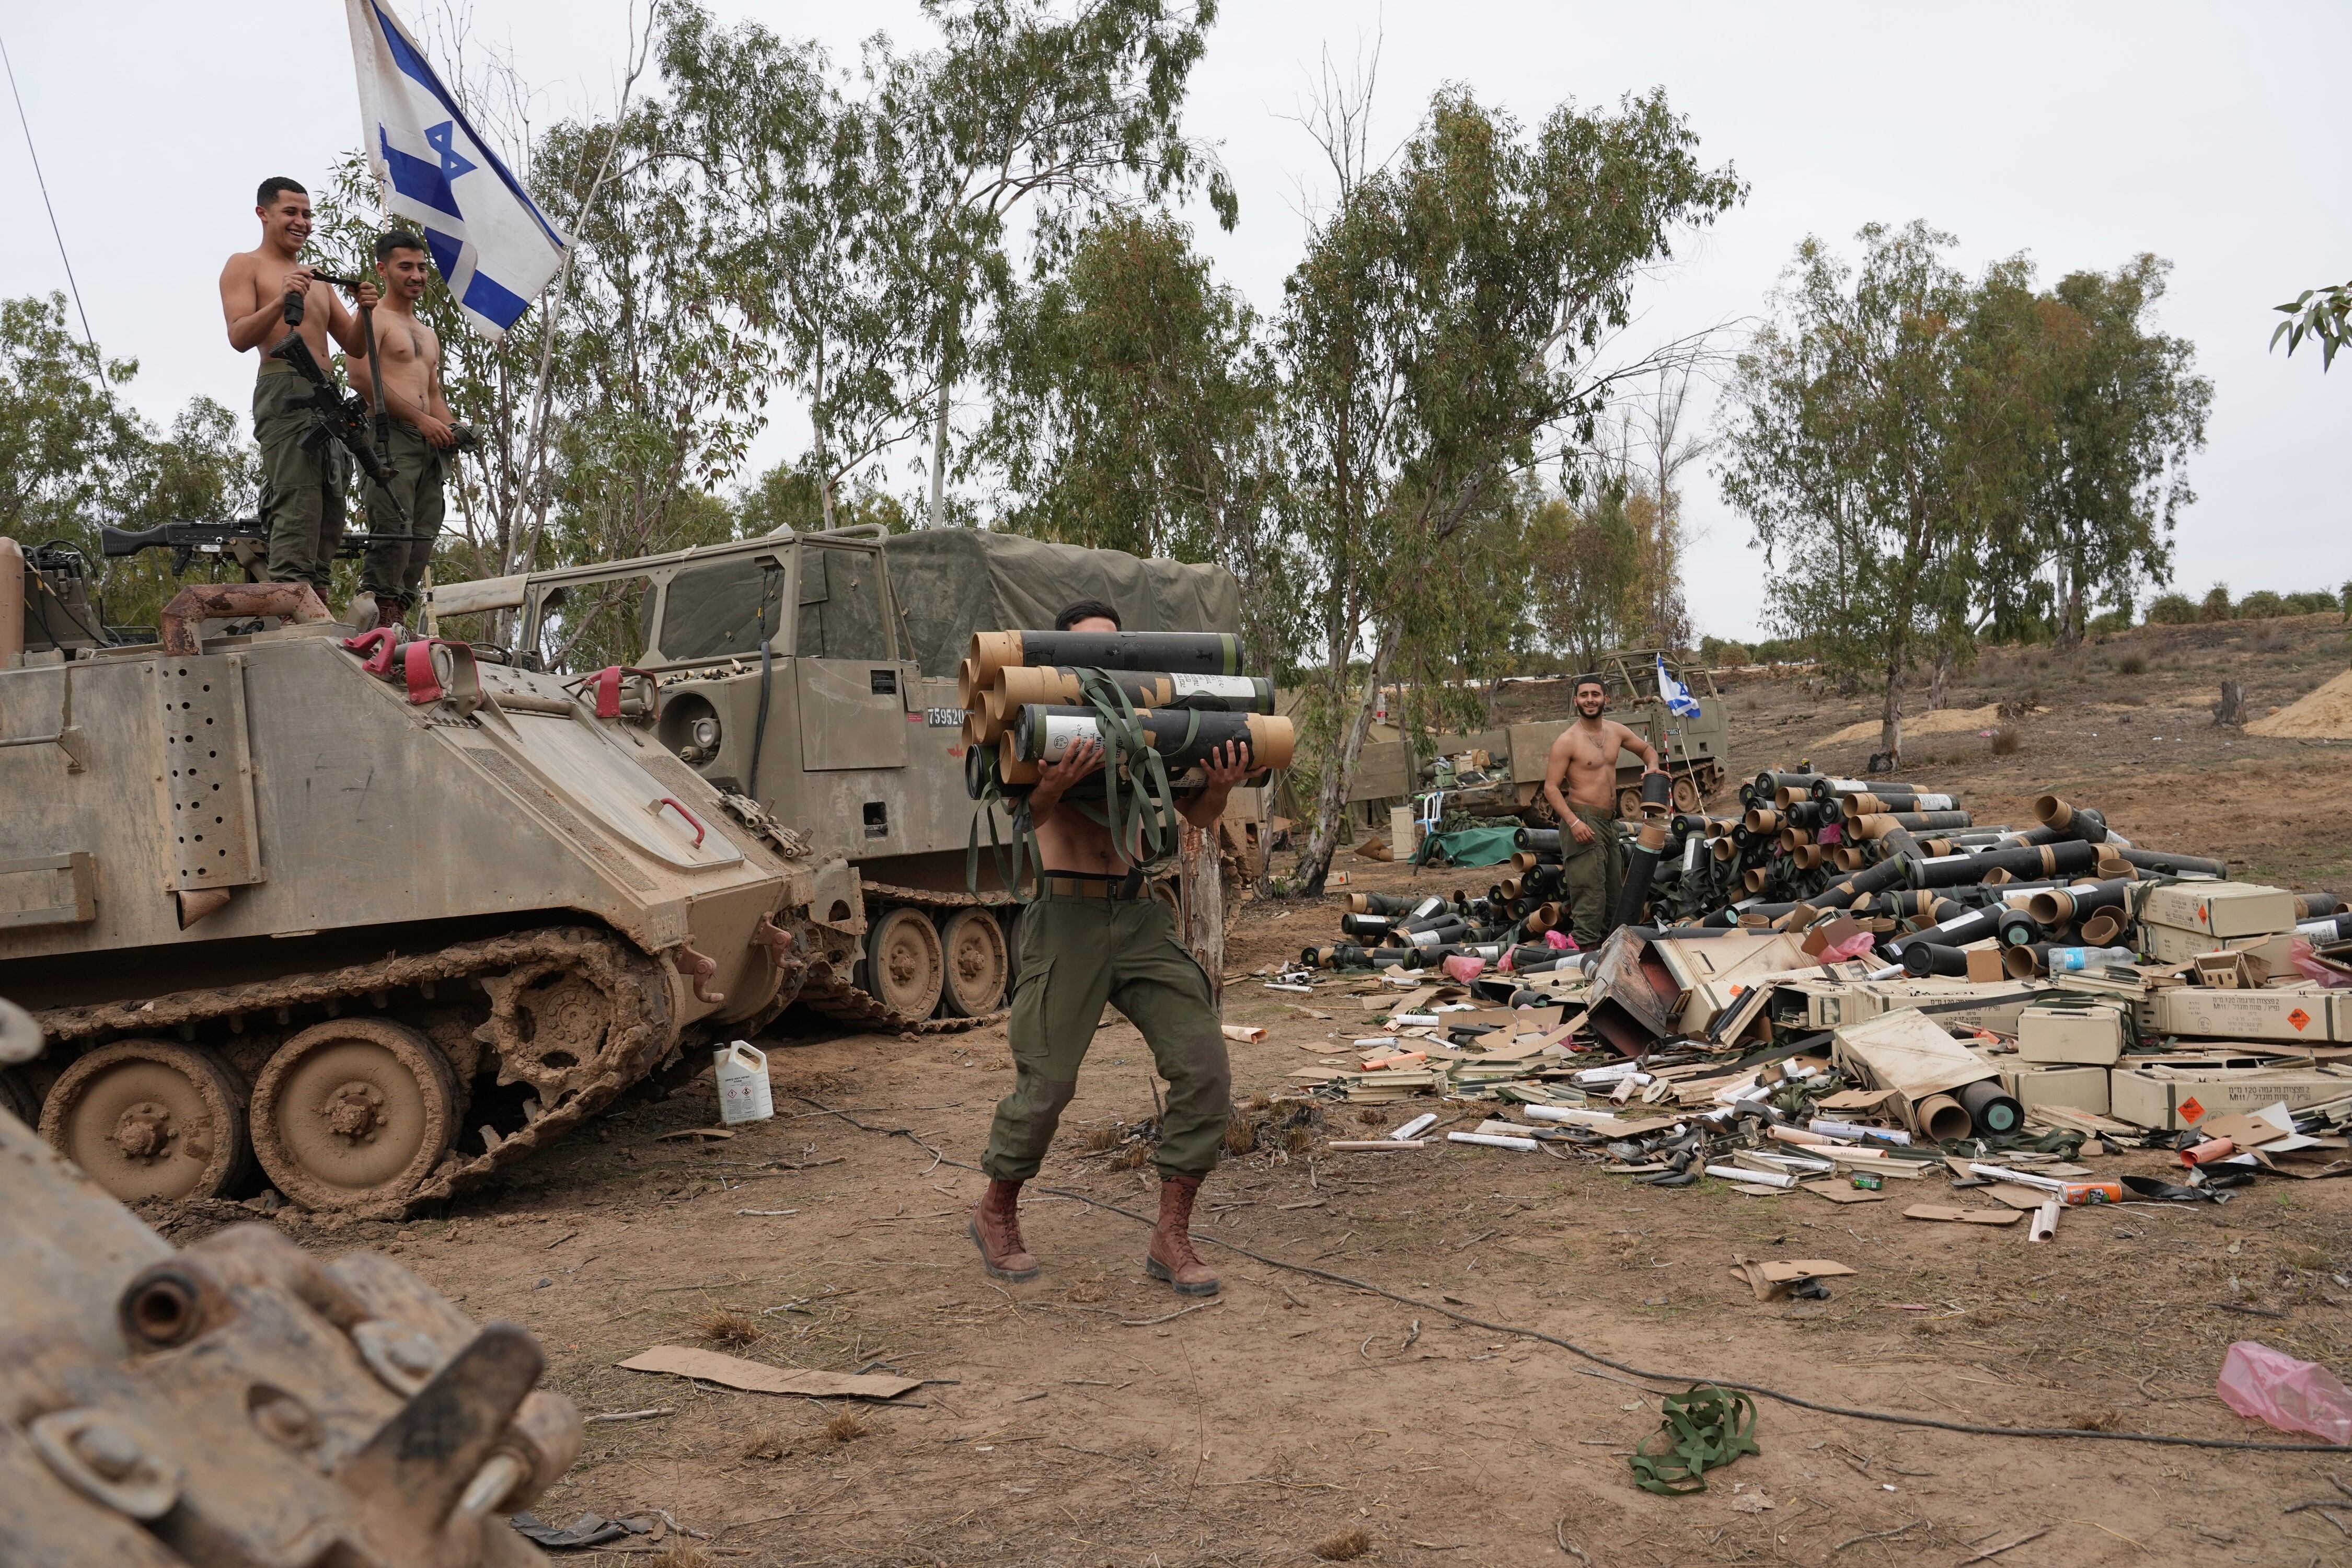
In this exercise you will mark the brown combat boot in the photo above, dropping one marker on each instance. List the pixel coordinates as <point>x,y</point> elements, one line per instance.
<point>996,1231</point>
<point>1171,1257</point>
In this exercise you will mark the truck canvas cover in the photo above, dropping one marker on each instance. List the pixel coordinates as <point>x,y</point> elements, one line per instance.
<point>953,582</point>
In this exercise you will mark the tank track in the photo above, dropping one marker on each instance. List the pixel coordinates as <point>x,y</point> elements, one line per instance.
<point>632,1050</point>
<point>829,993</point>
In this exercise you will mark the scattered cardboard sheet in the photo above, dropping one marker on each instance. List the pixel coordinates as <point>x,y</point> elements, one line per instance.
<point>1965,1216</point>
<point>1772,1277</point>
<point>753,1377</point>
<point>1840,1191</point>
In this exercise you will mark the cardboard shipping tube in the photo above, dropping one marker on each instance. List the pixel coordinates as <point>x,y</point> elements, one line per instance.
<point>1537,840</point>
<point>2174,865</point>
<point>2316,906</point>
<point>2058,816</point>
<point>1010,769</point>
<point>1726,850</point>
<point>1942,1119</point>
<point>1769,783</point>
<point>1754,879</point>
<point>1808,856</point>
<point>992,651</point>
<point>1922,959</point>
<point>1061,684</point>
<point>1879,824</point>
<point>1247,1034</point>
<point>2015,928</point>
<point>1640,869</point>
<point>1992,1112</point>
<point>1176,653</point>
<point>2210,1149</point>
<point>2024,963</point>
<point>1829,788</point>
<point>2045,1223</point>
<point>2102,929</point>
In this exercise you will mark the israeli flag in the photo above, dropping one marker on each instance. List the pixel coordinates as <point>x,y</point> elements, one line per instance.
<point>1677,697</point>
<point>493,247</point>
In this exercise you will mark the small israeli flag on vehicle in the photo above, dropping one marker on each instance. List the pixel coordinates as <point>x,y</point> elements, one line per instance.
<point>492,245</point>
<point>1677,697</point>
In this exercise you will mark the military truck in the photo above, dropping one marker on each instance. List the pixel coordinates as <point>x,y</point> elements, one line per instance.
<point>1695,751</point>
<point>815,673</point>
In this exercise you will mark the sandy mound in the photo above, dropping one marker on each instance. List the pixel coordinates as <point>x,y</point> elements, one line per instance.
<point>2325,713</point>
<point>1942,721</point>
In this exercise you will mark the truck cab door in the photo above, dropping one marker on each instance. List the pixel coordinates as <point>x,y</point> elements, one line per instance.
<point>850,682</point>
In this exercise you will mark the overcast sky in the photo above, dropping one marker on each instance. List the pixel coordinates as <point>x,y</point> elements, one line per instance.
<point>2080,135</point>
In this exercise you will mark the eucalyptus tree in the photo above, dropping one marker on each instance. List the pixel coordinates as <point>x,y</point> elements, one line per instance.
<point>1445,334</point>
<point>1851,451</point>
<point>1022,110</point>
<point>1133,407</point>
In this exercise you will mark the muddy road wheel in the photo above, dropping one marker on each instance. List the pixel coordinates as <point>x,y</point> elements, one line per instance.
<point>977,963</point>
<point>150,1119</point>
<point>353,1113</point>
<point>1629,803</point>
<point>904,966</point>
<point>1687,794</point>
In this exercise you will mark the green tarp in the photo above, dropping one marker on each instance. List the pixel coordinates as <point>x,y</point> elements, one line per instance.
<point>1471,846</point>
<point>953,582</point>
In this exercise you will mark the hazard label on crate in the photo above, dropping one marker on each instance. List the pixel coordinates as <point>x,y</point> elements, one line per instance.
<point>2299,1019</point>
<point>2190,1111</point>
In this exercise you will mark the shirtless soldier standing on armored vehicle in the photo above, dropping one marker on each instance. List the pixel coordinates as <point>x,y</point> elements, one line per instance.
<point>420,431</point>
<point>1096,934</point>
<point>1592,857</point>
<point>301,491</point>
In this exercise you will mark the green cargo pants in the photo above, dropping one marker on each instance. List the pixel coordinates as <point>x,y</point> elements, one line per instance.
<point>1079,952</point>
<point>1594,876</point>
<point>301,491</point>
<point>397,570</point>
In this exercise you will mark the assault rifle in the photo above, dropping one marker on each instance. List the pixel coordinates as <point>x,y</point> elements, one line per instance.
<point>243,541</point>
<point>341,416</point>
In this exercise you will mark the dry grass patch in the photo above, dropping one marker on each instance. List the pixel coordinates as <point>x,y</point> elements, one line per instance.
<point>770,1446</point>
<point>845,1428</point>
<point>1344,1547</point>
<point>726,1326</point>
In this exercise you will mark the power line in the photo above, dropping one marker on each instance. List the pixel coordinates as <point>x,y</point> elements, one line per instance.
<point>40,179</point>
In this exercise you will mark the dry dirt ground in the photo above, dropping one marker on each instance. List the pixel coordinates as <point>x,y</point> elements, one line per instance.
<point>1074,1421</point>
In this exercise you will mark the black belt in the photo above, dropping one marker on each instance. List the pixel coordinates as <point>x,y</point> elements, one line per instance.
<point>1107,884</point>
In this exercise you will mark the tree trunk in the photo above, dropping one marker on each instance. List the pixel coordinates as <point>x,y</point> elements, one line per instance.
<point>1331,792</point>
<point>938,515</point>
<point>1943,674</point>
<point>1201,888</point>
<point>2231,710</point>
<point>1890,711</point>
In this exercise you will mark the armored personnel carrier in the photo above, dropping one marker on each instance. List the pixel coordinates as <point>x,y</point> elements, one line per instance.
<point>380,918</point>
<point>815,673</point>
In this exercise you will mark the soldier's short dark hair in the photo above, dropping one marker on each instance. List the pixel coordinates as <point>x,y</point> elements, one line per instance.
<point>1086,610</point>
<point>1584,681</point>
<point>275,184</point>
<point>395,240</point>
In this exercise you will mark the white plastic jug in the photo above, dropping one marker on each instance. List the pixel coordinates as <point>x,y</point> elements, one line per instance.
<point>743,1092</point>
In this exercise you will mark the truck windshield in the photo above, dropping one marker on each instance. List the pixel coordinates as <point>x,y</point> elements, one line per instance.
<point>588,625</point>
<point>841,604</point>
<point>722,609</point>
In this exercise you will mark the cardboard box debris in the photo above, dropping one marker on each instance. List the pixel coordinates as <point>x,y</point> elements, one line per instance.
<point>2179,945</point>
<point>2072,1030</point>
<point>2074,1088</point>
<point>2272,1014</point>
<point>2220,908</point>
<point>2172,1098</point>
<point>1908,1052</point>
<point>1978,1005</point>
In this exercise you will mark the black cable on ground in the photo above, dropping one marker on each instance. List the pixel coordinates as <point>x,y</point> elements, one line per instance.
<point>1890,1417</point>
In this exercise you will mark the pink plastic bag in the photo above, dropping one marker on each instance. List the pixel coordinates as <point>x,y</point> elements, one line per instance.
<point>2293,1395</point>
<point>1559,941</point>
<point>1463,965</point>
<point>2309,964</point>
<point>1854,946</point>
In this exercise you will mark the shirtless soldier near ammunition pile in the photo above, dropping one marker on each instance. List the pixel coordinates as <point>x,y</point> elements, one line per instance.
<point>301,488</point>
<point>1096,934</point>
<point>1592,857</point>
